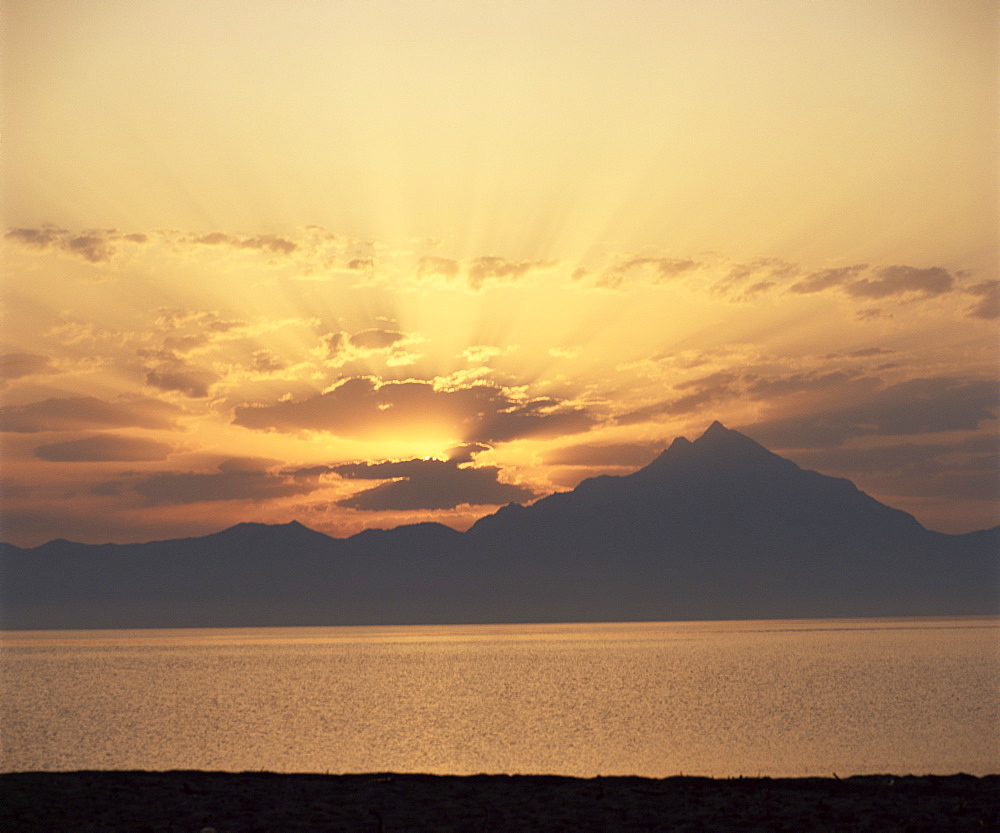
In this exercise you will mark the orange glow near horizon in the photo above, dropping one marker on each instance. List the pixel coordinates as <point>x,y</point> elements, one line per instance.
<point>250,246</point>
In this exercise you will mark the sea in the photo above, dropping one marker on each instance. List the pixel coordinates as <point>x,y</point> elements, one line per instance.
<point>721,699</point>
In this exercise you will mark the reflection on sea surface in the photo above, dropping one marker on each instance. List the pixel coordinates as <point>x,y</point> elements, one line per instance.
<point>809,697</point>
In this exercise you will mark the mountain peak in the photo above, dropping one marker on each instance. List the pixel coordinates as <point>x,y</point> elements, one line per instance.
<point>252,529</point>
<point>719,438</point>
<point>717,432</point>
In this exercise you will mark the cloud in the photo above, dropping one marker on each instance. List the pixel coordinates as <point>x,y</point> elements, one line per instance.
<point>763,388</point>
<point>264,361</point>
<point>565,352</point>
<point>919,458</point>
<point>94,246</point>
<point>902,280</point>
<point>465,452</point>
<point>706,390</point>
<point>861,353</point>
<point>832,406</point>
<point>364,408</point>
<point>871,314</point>
<point>969,468</point>
<point>481,353</point>
<point>361,264</point>
<point>887,282</point>
<point>649,270</point>
<point>483,270</point>
<point>916,406</point>
<point>428,485</point>
<point>21,365</point>
<point>752,292</point>
<point>178,318</point>
<point>626,455</point>
<point>431,267</point>
<point>33,238</point>
<point>764,272</point>
<point>237,478</point>
<point>988,305</point>
<point>857,281</point>
<point>339,348</point>
<point>82,412</point>
<point>175,376</point>
<point>376,339</point>
<point>104,448</point>
<point>333,344</point>
<point>262,242</point>
<point>91,247</point>
<point>827,279</point>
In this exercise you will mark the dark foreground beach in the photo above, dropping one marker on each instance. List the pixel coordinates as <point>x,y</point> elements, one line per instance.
<point>227,803</point>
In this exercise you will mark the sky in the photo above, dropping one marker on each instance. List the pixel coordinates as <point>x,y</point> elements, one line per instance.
<point>365,264</point>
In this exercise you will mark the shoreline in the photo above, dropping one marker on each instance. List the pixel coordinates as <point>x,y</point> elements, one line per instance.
<point>387,802</point>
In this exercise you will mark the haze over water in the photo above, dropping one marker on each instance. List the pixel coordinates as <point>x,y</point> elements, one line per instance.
<point>781,698</point>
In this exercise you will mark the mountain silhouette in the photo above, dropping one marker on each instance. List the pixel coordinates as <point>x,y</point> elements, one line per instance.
<point>718,528</point>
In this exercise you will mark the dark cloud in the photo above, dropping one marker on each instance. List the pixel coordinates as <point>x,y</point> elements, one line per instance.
<point>484,270</point>
<point>91,247</point>
<point>264,242</point>
<point>863,353</point>
<point>969,468</point>
<point>360,407</point>
<point>827,279</point>
<point>437,267</point>
<point>627,455</point>
<point>655,270</point>
<point>428,485</point>
<point>902,280</point>
<point>858,280</point>
<point>174,345</point>
<point>334,343</point>
<point>110,488</point>
<point>764,270</point>
<point>20,365</point>
<point>10,490</point>
<point>361,264</point>
<point>763,388</point>
<point>203,321</point>
<point>721,380</point>
<point>264,361</point>
<point>661,269</point>
<point>239,478</point>
<point>842,405</point>
<point>917,406</point>
<point>705,391</point>
<point>871,314</point>
<point>988,305</point>
<point>755,290</point>
<point>82,412</point>
<point>376,339</point>
<point>175,376</point>
<point>466,452</point>
<point>35,238</point>
<point>104,447</point>
<point>979,451</point>
<point>94,246</point>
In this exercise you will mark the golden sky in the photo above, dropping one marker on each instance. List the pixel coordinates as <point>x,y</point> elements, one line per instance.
<point>361,264</point>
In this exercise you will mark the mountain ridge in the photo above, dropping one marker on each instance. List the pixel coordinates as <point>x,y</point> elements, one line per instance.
<point>716,528</point>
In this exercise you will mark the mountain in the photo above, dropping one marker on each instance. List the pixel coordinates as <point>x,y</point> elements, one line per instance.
<point>715,529</point>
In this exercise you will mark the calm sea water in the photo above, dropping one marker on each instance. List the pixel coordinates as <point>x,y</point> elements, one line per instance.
<point>656,699</point>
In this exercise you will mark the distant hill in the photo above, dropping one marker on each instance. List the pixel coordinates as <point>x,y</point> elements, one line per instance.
<point>719,528</point>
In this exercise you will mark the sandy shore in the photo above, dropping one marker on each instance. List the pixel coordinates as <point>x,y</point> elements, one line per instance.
<point>227,803</point>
